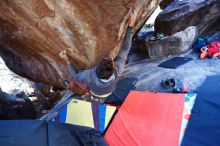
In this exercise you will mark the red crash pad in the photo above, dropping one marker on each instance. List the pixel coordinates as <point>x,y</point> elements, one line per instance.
<point>147,119</point>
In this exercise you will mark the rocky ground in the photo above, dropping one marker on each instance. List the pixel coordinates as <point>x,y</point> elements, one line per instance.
<point>149,75</point>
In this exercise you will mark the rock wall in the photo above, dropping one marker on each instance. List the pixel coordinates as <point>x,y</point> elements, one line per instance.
<point>33,32</point>
<point>181,14</point>
<point>175,44</point>
<point>164,3</point>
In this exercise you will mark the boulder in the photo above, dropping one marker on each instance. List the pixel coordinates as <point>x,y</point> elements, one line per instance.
<point>33,32</point>
<point>181,14</point>
<point>164,3</point>
<point>178,43</point>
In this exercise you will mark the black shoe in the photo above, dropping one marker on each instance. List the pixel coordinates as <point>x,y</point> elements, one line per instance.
<point>169,83</point>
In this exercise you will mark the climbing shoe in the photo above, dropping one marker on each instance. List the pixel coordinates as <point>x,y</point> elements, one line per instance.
<point>169,83</point>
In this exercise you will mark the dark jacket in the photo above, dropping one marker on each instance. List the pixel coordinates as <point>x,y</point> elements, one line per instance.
<point>99,86</point>
<point>7,97</point>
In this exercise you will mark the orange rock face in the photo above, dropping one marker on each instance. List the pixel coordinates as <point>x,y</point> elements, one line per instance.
<point>33,32</point>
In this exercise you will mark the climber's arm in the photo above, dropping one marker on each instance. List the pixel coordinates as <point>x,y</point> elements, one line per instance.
<point>122,57</point>
<point>7,97</point>
<point>71,68</point>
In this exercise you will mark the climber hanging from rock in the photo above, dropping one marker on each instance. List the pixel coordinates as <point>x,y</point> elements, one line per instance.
<point>101,80</point>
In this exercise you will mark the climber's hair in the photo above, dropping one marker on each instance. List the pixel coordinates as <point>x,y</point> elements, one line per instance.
<point>105,69</point>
